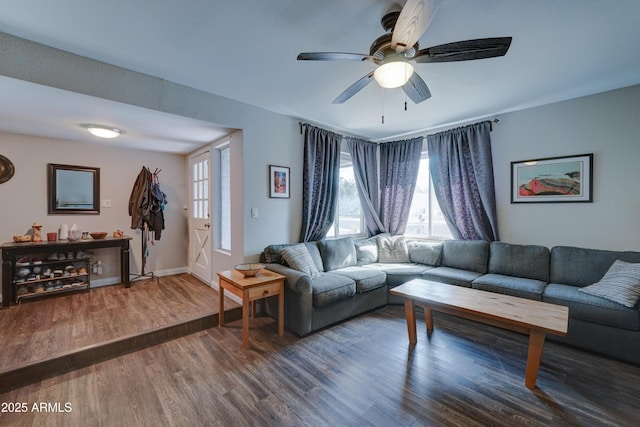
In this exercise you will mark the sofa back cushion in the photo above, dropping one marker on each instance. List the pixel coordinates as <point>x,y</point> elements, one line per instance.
<point>272,253</point>
<point>423,252</point>
<point>392,249</point>
<point>472,255</point>
<point>338,253</point>
<point>526,261</point>
<point>582,266</point>
<point>366,250</point>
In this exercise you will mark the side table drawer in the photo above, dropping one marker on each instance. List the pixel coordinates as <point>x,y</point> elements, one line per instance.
<point>264,291</point>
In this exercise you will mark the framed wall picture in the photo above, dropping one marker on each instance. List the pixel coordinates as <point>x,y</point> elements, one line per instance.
<point>279,178</point>
<point>553,179</point>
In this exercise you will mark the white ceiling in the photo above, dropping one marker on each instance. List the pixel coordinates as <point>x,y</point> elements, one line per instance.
<point>246,50</point>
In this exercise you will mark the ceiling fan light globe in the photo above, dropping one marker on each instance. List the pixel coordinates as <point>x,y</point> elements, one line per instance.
<point>393,74</point>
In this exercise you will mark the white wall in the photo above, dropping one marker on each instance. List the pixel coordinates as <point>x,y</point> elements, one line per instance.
<point>268,138</point>
<point>607,125</point>
<point>23,199</point>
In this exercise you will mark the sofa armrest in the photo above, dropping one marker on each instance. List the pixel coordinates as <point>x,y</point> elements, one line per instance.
<point>296,281</point>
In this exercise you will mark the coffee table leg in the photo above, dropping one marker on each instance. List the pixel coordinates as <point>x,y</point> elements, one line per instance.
<point>428,318</point>
<point>536,344</point>
<point>411,321</point>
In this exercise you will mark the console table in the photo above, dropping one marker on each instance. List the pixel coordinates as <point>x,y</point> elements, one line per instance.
<point>11,252</point>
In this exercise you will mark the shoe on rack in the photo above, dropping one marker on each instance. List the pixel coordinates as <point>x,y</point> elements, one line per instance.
<point>52,257</point>
<point>62,257</point>
<point>37,269</point>
<point>82,255</point>
<point>36,261</point>
<point>38,289</point>
<point>22,272</point>
<point>49,286</point>
<point>23,262</point>
<point>70,255</point>
<point>22,290</point>
<point>47,272</point>
<point>82,270</point>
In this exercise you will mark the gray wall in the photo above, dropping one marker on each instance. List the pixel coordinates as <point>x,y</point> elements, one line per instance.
<point>607,125</point>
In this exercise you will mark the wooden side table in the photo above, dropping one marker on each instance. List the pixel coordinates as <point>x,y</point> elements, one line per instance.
<point>264,284</point>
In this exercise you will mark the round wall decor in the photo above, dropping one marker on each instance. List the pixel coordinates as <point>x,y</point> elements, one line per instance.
<point>6,169</point>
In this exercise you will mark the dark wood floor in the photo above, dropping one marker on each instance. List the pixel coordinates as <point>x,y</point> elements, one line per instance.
<point>358,373</point>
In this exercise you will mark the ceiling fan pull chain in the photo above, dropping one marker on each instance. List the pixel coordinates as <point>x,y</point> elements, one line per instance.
<point>382,105</point>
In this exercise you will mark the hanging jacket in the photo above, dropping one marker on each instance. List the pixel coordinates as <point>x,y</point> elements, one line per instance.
<point>140,199</point>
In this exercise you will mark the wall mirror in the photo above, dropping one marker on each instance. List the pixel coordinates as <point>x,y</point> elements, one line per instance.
<point>73,189</point>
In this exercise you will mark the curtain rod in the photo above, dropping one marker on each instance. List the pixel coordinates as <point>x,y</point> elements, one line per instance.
<point>491,123</point>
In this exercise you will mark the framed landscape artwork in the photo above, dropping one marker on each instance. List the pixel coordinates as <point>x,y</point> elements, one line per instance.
<point>279,182</point>
<point>553,179</point>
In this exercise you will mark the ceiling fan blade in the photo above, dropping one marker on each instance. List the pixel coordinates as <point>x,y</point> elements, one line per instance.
<point>334,56</point>
<point>353,89</point>
<point>414,19</point>
<point>465,50</point>
<point>416,89</point>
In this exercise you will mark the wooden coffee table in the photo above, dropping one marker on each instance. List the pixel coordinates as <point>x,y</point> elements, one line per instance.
<point>264,284</point>
<point>534,318</point>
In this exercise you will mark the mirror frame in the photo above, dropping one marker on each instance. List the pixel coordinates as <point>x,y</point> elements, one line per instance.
<point>52,173</point>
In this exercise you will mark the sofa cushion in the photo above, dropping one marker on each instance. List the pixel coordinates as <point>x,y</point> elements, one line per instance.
<point>424,252</point>
<point>366,278</point>
<point>399,273</point>
<point>472,255</point>
<point>454,276</point>
<point>299,258</point>
<point>329,287</point>
<point>583,267</point>
<point>337,253</point>
<point>272,253</point>
<point>591,308</point>
<point>528,261</point>
<point>621,284</point>
<point>510,285</point>
<point>392,249</point>
<point>366,250</point>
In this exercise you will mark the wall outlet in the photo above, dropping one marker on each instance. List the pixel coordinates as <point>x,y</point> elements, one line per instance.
<point>254,212</point>
<point>106,203</point>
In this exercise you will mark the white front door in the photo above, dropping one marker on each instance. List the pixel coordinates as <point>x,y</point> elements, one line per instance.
<point>200,246</point>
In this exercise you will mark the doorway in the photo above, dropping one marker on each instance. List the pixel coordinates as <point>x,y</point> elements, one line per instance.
<point>200,246</point>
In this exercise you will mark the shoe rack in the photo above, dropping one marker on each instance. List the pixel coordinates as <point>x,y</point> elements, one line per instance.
<point>35,276</point>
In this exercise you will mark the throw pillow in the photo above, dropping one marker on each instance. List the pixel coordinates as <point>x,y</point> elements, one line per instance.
<point>392,249</point>
<point>621,284</point>
<point>299,258</point>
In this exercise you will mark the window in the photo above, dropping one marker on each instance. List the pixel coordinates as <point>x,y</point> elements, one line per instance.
<point>425,217</point>
<point>224,198</point>
<point>200,195</point>
<point>349,220</point>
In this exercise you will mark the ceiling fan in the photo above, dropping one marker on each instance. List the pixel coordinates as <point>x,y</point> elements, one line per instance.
<point>394,52</point>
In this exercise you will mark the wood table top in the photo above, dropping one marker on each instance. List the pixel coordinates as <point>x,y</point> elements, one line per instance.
<point>261,278</point>
<point>519,311</point>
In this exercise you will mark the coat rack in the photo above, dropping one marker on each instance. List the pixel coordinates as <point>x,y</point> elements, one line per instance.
<point>146,206</point>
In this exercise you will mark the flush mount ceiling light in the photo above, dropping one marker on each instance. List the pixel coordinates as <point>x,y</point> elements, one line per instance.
<point>102,131</point>
<point>393,74</point>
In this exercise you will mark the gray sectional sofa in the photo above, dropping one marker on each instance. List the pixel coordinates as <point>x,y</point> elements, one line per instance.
<point>342,278</point>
